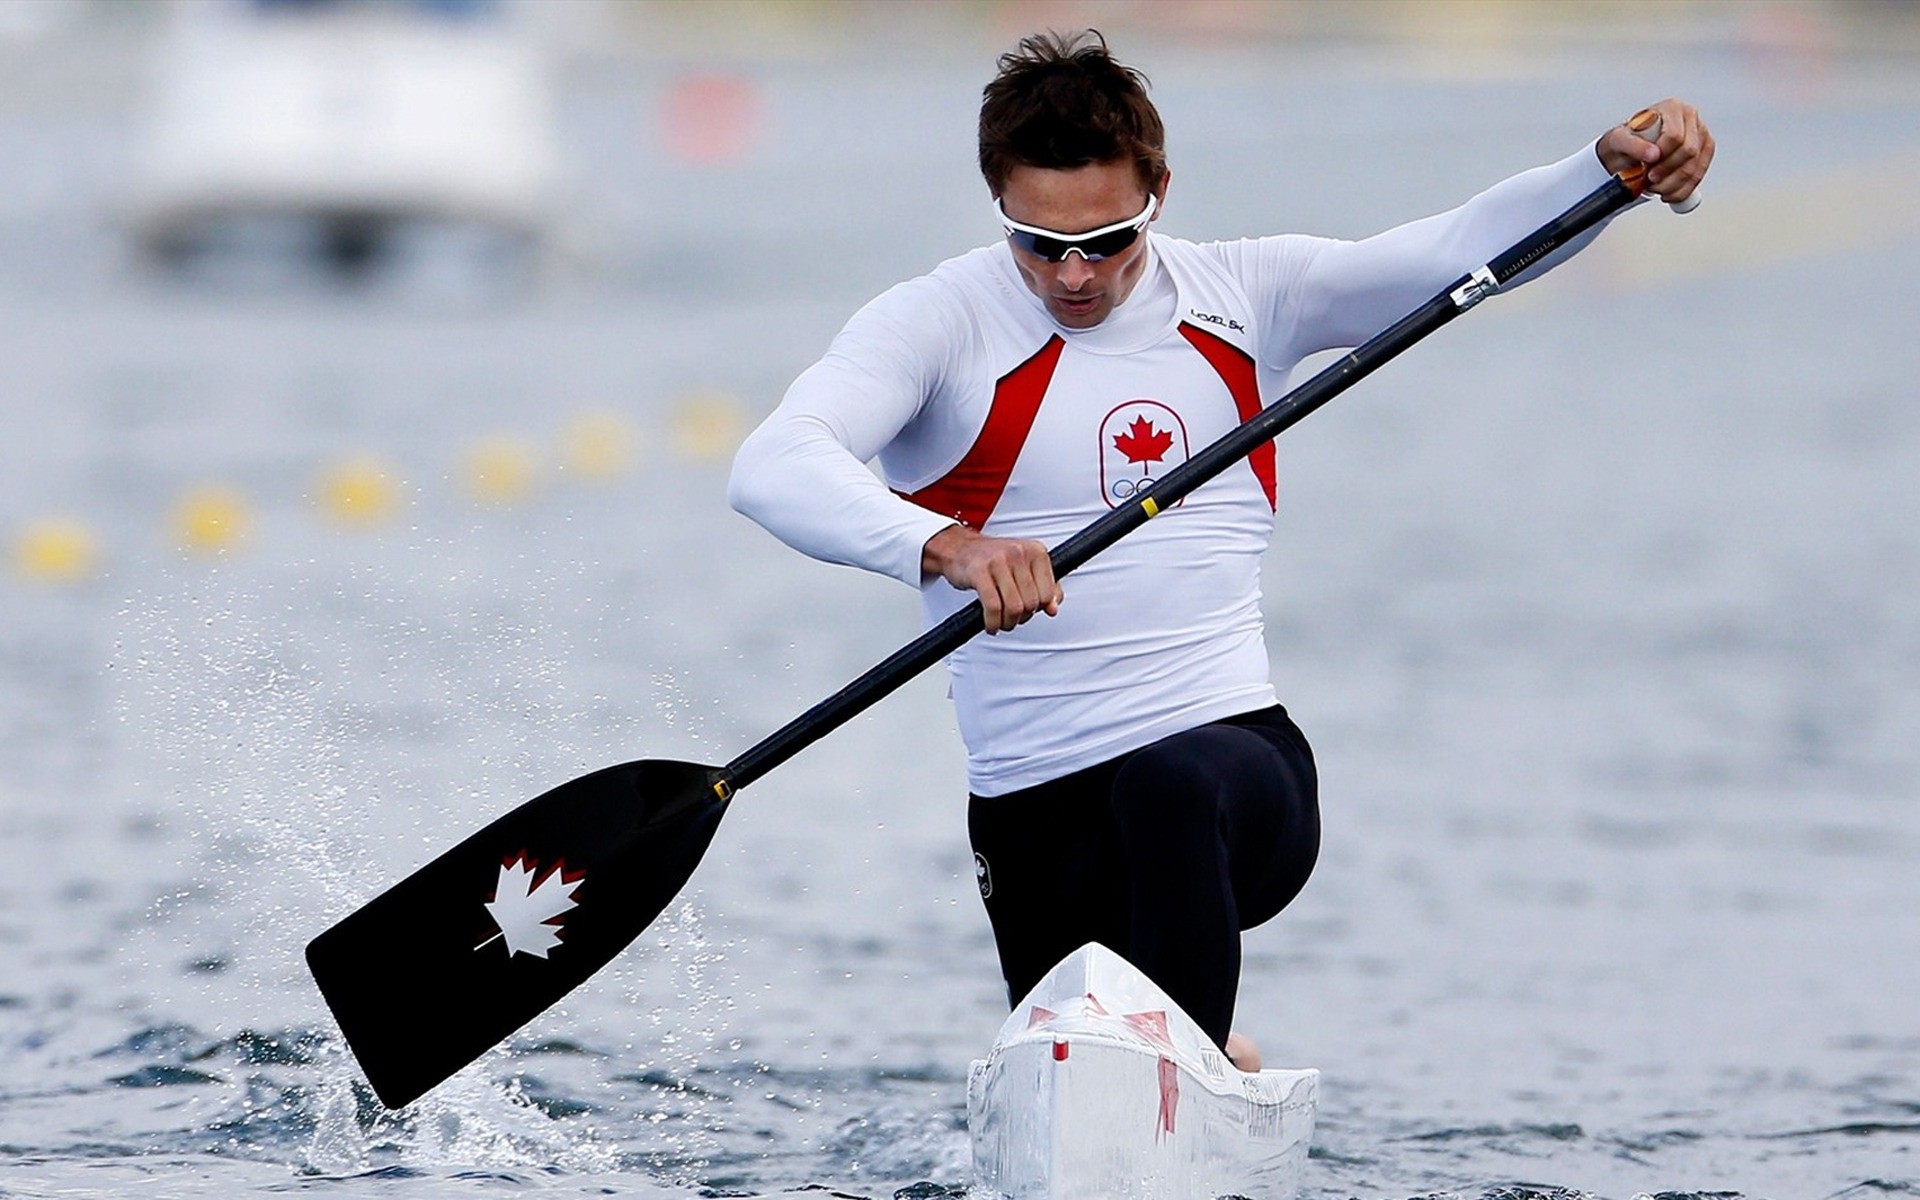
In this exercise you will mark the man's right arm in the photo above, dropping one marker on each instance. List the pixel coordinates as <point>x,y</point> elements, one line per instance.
<point>803,473</point>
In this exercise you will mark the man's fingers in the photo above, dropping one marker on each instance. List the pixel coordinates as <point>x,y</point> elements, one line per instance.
<point>1012,577</point>
<point>991,609</point>
<point>1674,148</point>
<point>1016,599</point>
<point>1002,595</point>
<point>1041,591</point>
<point>1048,587</point>
<point>1032,574</point>
<point>1663,150</point>
<point>1019,576</point>
<point>1643,131</point>
<point>1679,173</point>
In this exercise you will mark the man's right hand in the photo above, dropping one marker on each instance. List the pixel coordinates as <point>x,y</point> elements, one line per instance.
<point>1013,577</point>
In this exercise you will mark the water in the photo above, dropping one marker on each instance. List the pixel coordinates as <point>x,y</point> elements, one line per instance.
<point>1598,608</point>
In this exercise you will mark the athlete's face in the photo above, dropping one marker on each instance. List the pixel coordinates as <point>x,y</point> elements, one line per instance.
<point>1078,293</point>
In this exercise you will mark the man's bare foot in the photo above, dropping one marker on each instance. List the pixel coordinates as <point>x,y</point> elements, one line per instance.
<point>1242,1053</point>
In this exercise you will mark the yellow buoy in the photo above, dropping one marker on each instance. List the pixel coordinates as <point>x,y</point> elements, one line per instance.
<point>708,426</point>
<point>359,491</point>
<point>55,550</point>
<point>500,470</point>
<point>598,445</point>
<point>211,519</point>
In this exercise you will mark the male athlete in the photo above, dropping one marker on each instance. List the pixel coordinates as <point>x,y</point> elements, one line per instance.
<point>1133,779</point>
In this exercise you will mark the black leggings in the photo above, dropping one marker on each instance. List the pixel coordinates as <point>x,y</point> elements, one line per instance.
<point>1164,855</point>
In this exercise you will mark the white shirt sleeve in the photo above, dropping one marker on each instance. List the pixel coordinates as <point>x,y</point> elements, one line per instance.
<point>802,474</point>
<point>1326,293</point>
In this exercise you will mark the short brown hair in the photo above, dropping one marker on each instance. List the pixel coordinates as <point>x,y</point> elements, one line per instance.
<point>1061,101</point>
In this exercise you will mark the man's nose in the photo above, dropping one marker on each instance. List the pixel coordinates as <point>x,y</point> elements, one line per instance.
<point>1075,271</point>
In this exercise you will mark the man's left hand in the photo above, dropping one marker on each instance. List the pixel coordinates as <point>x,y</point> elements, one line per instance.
<point>1676,161</point>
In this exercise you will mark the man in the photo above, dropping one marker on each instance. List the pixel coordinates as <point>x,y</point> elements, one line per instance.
<point>1133,778</point>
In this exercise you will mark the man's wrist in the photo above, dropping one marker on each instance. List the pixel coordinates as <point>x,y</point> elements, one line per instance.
<point>939,549</point>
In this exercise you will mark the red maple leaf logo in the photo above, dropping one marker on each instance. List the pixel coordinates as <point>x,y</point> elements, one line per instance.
<point>1142,443</point>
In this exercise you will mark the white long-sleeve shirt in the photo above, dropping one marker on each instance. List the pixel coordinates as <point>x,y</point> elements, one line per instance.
<point>981,408</point>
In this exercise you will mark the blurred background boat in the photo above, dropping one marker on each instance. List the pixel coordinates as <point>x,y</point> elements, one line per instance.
<point>330,126</point>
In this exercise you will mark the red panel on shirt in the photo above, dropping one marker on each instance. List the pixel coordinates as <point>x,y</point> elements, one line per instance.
<point>1236,369</point>
<point>969,492</point>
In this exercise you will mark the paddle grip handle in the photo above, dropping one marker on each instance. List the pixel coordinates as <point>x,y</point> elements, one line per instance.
<point>1646,125</point>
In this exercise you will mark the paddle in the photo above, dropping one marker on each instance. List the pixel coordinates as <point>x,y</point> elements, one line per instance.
<point>451,960</point>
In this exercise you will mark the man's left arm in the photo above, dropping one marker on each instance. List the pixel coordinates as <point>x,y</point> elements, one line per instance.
<point>1344,292</point>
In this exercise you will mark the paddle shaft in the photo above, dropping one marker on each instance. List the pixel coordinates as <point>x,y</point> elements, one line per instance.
<point>959,628</point>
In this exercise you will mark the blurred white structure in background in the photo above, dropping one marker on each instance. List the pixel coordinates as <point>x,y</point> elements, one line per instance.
<point>342,121</point>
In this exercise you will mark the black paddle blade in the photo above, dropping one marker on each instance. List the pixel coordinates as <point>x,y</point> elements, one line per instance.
<point>446,963</point>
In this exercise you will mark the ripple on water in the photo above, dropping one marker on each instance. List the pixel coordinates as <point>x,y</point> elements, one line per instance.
<point>162,1075</point>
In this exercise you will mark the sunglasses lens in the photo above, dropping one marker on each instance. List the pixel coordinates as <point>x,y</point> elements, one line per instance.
<point>1031,244</point>
<point>1108,244</point>
<point>1054,250</point>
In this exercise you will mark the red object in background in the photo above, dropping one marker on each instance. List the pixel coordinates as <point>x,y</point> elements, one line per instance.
<point>711,119</point>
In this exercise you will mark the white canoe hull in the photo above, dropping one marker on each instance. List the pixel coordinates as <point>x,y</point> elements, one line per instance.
<point>1099,1088</point>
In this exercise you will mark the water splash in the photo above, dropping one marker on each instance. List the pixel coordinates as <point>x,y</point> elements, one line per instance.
<point>266,737</point>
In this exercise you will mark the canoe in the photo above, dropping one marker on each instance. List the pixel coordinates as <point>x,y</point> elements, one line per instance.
<point>1099,1088</point>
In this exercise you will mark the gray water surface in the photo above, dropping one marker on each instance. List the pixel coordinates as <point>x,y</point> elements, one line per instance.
<point>1599,609</point>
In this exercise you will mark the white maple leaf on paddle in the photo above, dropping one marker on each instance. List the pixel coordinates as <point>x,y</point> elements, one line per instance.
<point>528,905</point>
